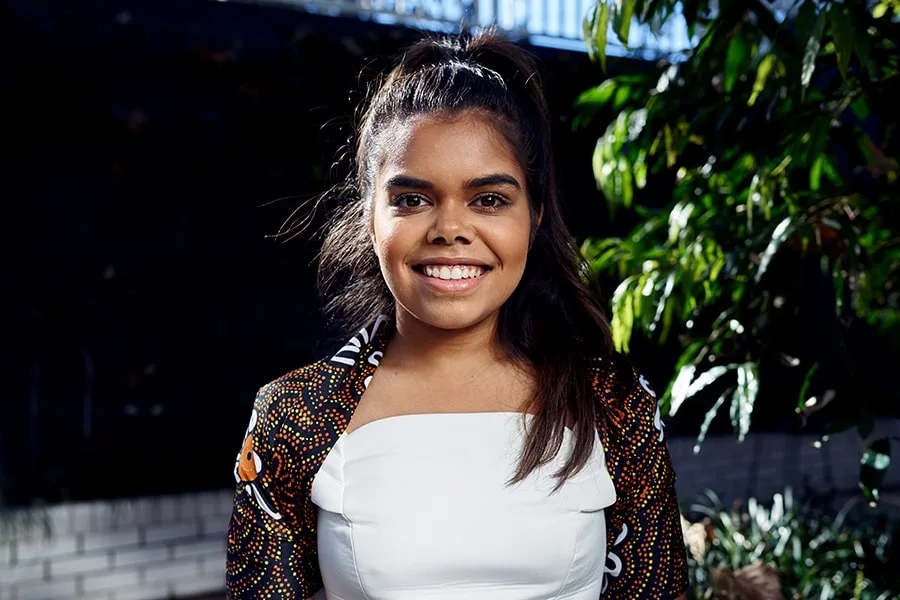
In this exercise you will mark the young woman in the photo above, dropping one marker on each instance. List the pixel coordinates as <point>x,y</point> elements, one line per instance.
<point>477,438</point>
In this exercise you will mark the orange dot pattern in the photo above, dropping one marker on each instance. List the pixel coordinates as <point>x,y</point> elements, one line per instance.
<point>646,555</point>
<point>271,543</point>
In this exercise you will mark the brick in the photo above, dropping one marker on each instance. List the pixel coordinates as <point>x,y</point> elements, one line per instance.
<point>147,510</point>
<point>217,525</point>
<point>132,512</point>
<point>110,539</point>
<point>208,504</point>
<point>200,585</point>
<point>154,591</point>
<point>7,553</point>
<point>170,509</point>
<point>120,514</point>
<point>81,517</point>
<point>172,571</point>
<point>103,516</point>
<point>201,548</point>
<point>61,590</point>
<point>191,506</point>
<point>25,524</point>
<point>30,549</point>
<point>59,519</point>
<point>110,580</point>
<point>21,573</point>
<point>79,565</point>
<point>213,566</point>
<point>226,502</point>
<point>167,533</point>
<point>140,555</point>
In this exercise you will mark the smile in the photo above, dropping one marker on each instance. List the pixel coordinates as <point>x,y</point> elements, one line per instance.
<point>451,272</point>
<point>452,278</point>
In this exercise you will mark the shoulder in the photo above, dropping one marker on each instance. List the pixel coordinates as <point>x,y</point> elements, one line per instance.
<point>291,395</point>
<point>625,398</point>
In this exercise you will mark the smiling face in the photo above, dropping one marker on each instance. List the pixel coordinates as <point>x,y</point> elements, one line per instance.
<point>451,220</point>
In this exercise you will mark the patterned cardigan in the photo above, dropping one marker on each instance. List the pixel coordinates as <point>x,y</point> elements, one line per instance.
<point>296,419</point>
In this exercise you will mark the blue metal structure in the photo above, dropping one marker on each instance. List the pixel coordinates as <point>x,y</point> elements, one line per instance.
<point>546,23</point>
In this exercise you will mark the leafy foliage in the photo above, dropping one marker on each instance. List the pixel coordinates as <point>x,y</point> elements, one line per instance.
<point>779,139</point>
<point>796,547</point>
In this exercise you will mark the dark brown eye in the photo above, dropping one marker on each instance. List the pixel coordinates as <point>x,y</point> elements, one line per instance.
<point>408,201</point>
<point>490,201</point>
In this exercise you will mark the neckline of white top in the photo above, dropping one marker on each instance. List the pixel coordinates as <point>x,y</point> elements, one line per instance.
<point>401,418</point>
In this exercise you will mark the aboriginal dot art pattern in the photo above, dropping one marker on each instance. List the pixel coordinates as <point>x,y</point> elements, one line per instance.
<point>297,418</point>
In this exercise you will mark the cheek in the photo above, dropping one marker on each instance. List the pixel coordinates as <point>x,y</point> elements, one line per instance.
<point>387,239</point>
<point>512,243</point>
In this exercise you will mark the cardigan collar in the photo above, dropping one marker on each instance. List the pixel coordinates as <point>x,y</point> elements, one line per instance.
<point>351,369</point>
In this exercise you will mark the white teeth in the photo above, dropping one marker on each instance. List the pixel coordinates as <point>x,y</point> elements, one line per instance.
<point>448,272</point>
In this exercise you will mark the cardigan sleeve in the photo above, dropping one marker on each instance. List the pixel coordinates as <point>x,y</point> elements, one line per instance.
<point>646,555</point>
<point>271,551</point>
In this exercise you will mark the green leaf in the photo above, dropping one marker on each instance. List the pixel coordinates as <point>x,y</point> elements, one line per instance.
<point>663,300</point>
<point>804,388</point>
<point>863,46</point>
<point>680,387</point>
<point>690,10</point>
<point>622,19</point>
<point>744,398</point>
<point>784,229</point>
<point>843,32</point>
<point>736,59</point>
<point>708,419</point>
<point>815,172</point>
<point>623,314</point>
<point>650,10</point>
<point>596,27</point>
<point>621,97</point>
<point>706,378</point>
<point>860,108</point>
<point>811,50</point>
<point>597,96</point>
<point>873,468</point>
<point>679,217</point>
<point>762,76</point>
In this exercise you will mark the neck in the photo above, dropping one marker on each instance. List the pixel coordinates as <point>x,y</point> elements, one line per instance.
<point>418,345</point>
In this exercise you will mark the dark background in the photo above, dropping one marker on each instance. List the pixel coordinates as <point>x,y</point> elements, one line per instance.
<point>152,148</point>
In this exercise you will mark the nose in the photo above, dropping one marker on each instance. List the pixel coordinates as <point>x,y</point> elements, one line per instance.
<point>452,224</point>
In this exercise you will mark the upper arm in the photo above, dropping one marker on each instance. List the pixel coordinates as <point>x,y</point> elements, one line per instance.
<point>270,551</point>
<point>646,552</point>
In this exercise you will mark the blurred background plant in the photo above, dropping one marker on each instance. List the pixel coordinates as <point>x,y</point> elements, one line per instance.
<point>788,549</point>
<point>772,270</point>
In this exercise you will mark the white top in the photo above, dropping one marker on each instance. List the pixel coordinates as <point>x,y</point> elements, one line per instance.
<point>417,507</point>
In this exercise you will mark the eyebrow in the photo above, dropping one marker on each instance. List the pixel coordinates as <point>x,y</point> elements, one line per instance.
<point>405,181</point>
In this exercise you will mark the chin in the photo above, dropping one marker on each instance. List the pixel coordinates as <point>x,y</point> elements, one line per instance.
<point>452,318</point>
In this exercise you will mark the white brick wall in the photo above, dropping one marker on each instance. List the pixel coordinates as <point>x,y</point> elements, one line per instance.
<point>138,549</point>
<point>765,463</point>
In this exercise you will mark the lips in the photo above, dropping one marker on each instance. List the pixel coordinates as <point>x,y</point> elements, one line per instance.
<point>450,272</point>
<point>452,275</point>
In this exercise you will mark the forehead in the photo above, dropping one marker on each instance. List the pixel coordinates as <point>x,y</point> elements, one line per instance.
<point>442,148</point>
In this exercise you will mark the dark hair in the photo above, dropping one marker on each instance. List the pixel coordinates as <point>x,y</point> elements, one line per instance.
<point>554,321</point>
